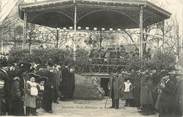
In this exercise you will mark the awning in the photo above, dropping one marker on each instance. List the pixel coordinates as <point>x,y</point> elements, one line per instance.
<point>123,14</point>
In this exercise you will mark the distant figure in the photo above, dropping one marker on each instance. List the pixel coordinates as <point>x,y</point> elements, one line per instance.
<point>148,54</point>
<point>136,53</point>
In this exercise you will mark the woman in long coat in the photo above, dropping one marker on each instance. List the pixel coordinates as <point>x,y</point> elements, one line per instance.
<point>68,83</point>
<point>48,89</point>
<point>146,98</point>
<point>72,83</point>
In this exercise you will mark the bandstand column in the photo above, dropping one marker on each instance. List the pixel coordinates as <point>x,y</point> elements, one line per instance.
<point>57,38</point>
<point>75,30</point>
<point>163,31</point>
<point>24,30</point>
<point>141,17</point>
<point>1,34</point>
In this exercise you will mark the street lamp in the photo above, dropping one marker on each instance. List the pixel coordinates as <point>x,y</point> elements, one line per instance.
<point>95,29</point>
<point>79,27</point>
<point>71,28</point>
<point>103,29</point>
<point>87,28</point>
<point>118,29</point>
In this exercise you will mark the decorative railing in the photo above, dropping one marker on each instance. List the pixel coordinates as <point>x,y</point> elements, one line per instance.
<point>100,65</point>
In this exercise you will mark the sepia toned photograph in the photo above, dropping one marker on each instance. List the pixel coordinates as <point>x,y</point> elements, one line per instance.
<point>91,58</point>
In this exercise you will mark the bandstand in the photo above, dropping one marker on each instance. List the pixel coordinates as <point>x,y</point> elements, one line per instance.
<point>94,15</point>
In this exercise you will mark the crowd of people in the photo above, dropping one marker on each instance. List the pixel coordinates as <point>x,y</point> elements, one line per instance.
<point>149,90</point>
<point>25,87</point>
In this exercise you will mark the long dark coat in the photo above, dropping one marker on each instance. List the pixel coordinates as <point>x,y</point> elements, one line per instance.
<point>72,84</point>
<point>136,89</point>
<point>48,96</point>
<point>146,97</point>
<point>167,99</point>
<point>114,86</point>
<point>179,94</point>
<point>16,99</point>
<point>64,84</point>
<point>5,92</point>
<point>68,83</point>
<point>56,83</point>
<point>49,89</point>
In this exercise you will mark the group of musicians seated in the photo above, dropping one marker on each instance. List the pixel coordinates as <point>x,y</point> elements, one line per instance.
<point>102,60</point>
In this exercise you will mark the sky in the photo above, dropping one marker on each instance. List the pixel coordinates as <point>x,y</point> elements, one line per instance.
<point>175,7</point>
<point>6,7</point>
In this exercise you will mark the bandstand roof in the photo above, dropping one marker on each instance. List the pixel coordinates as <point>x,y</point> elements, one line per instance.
<point>122,14</point>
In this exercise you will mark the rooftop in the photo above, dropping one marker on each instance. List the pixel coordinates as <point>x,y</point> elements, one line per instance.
<point>122,14</point>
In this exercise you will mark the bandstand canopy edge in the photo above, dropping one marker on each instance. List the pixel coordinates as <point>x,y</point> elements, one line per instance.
<point>123,14</point>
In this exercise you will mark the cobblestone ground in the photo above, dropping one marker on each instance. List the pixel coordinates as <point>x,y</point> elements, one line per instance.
<point>91,108</point>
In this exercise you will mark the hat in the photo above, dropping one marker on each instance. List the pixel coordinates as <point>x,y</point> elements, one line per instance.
<point>25,65</point>
<point>174,72</point>
<point>37,77</point>
<point>42,78</point>
<point>16,78</point>
<point>72,70</point>
<point>33,75</point>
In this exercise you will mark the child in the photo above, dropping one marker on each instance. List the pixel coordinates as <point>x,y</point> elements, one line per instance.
<point>30,96</point>
<point>127,91</point>
<point>40,93</point>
